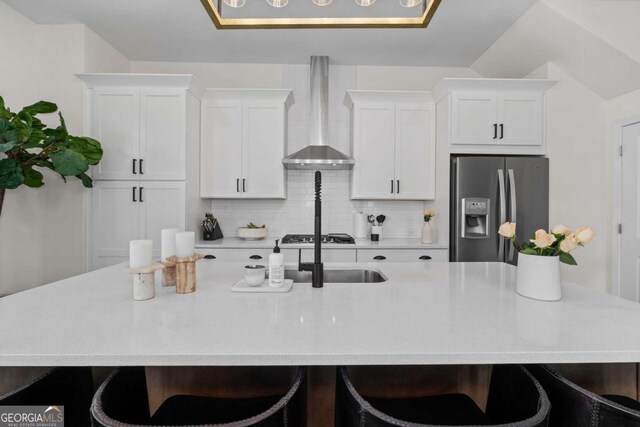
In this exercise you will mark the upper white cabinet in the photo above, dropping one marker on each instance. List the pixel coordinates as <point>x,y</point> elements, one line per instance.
<point>243,143</point>
<point>393,144</point>
<point>493,116</point>
<point>141,125</point>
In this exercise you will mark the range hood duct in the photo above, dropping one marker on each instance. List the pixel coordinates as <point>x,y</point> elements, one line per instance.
<point>318,155</point>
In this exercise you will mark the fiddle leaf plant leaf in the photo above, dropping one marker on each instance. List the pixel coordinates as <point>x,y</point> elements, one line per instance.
<point>5,113</point>
<point>32,178</point>
<point>11,175</point>
<point>40,107</point>
<point>8,136</point>
<point>86,180</point>
<point>89,148</point>
<point>69,163</point>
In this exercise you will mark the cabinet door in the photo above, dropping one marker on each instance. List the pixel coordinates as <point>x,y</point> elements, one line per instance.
<point>521,119</point>
<point>116,124</point>
<point>114,221</point>
<point>221,150</point>
<point>162,205</point>
<point>373,175</point>
<point>263,147</point>
<point>402,255</point>
<point>162,134</point>
<point>474,118</point>
<point>415,152</point>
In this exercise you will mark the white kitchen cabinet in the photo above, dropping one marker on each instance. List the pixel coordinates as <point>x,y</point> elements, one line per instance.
<point>142,131</point>
<point>402,255</point>
<point>243,144</point>
<point>149,127</point>
<point>129,210</point>
<point>261,255</point>
<point>493,116</point>
<point>393,143</point>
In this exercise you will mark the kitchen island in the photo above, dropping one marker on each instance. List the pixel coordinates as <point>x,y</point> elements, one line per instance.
<point>424,314</point>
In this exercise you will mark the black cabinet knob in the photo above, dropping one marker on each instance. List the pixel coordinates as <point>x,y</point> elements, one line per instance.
<point>379,257</point>
<point>425,257</point>
<point>209,257</point>
<point>255,257</point>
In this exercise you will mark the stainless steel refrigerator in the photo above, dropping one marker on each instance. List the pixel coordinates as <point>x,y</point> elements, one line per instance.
<point>487,191</point>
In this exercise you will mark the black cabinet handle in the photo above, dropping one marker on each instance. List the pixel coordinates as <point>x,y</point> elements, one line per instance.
<point>141,171</point>
<point>238,185</point>
<point>501,131</point>
<point>391,186</point>
<point>398,186</point>
<point>244,182</point>
<point>133,194</point>
<point>140,193</point>
<point>209,257</point>
<point>255,257</point>
<point>379,258</point>
<point>133,167</point>
<point>495,131</point>
<point>425,258</point>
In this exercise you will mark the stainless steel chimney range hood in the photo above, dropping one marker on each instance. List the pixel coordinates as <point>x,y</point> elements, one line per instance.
<point>318,155</point>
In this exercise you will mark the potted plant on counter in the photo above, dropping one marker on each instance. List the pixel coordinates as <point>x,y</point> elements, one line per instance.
<point>538,275</point>
<point>27,144</point>
<point>427,227</point>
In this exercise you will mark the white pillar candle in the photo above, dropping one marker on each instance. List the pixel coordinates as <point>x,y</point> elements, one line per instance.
<point>185,244</point>
<point>167,243</point>
<point>140,253</point>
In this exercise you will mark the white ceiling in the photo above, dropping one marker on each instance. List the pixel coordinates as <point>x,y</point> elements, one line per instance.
<point>180,30</point>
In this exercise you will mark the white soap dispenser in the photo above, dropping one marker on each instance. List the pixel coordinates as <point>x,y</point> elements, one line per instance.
<point>276,268</point>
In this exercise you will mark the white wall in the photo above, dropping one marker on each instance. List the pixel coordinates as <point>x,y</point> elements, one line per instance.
<point>46,227</point>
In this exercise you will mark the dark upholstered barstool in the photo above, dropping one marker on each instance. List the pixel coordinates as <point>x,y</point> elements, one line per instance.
<point>122,401</point>
<point>515,398</point>
<point>68,387</point>
<point>574,406</point>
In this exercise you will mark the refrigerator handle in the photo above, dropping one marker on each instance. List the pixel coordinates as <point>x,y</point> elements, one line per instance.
<point>514,214</point>
<point>503,211</point>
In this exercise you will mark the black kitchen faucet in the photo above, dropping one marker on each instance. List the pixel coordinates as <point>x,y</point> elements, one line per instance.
<point>316,268</point>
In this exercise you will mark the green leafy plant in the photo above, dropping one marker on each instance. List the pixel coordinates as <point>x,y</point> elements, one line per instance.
<point>252,225</point>
<point>28,144</point>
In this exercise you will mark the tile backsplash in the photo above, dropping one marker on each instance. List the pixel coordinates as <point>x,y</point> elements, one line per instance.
<point>295,214</point>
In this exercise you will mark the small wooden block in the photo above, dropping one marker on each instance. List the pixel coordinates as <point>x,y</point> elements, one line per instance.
<point>185,273</point>
<point>169,274</point>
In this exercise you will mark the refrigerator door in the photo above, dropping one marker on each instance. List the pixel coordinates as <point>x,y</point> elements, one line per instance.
<point>478,205</point>
<point>528,198</point>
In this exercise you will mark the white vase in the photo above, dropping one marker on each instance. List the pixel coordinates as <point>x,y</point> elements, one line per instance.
<point>427,232</point>
<point>538,277</point>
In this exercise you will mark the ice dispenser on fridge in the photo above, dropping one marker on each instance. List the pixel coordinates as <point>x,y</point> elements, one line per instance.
<point>475,218</point>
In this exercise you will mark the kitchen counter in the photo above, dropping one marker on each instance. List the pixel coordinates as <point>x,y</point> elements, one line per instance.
<point>269,243</point>
<point>426,313</point>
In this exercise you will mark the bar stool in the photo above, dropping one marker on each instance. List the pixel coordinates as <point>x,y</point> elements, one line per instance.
<point>573,405</point>
<point>515,398</point>
<point>68,387</point>
<point>122,401</point>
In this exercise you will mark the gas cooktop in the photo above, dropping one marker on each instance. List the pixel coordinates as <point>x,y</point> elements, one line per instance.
<point>326,238</point>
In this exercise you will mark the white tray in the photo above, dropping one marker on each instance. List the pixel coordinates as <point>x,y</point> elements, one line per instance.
<point>241,286</point>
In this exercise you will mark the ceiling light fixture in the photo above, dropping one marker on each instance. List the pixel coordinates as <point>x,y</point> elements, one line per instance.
<point>278,3</point>
<point>322,2</point>
<point>410,3</point>
<point>234,3</point>
<point>365,2</point>
<point>215,13</point>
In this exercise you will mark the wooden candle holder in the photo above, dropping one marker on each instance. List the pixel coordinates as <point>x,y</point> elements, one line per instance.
<point>185,273</point>
<point>144,281</point>
<point>169,274</point>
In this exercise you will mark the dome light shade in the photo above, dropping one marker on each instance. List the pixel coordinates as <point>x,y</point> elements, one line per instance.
<point>322,2</point>
<point>234,3</point>
<point>278,3</point>
<point>410,3</point>
<point>365,2</point>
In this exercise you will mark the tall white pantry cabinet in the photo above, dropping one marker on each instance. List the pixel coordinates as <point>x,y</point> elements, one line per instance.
<point>149,128</point>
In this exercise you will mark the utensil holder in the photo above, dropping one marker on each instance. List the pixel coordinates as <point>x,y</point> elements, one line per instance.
<point>376,233</point>
<point>185,273</point>
<point>144,281</point>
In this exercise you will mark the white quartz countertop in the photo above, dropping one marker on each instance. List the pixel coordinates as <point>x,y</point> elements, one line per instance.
<point>426,313</point>
<point>269,243</point>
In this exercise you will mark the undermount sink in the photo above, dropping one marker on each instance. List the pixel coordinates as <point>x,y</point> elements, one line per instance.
<point>338,276</point>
